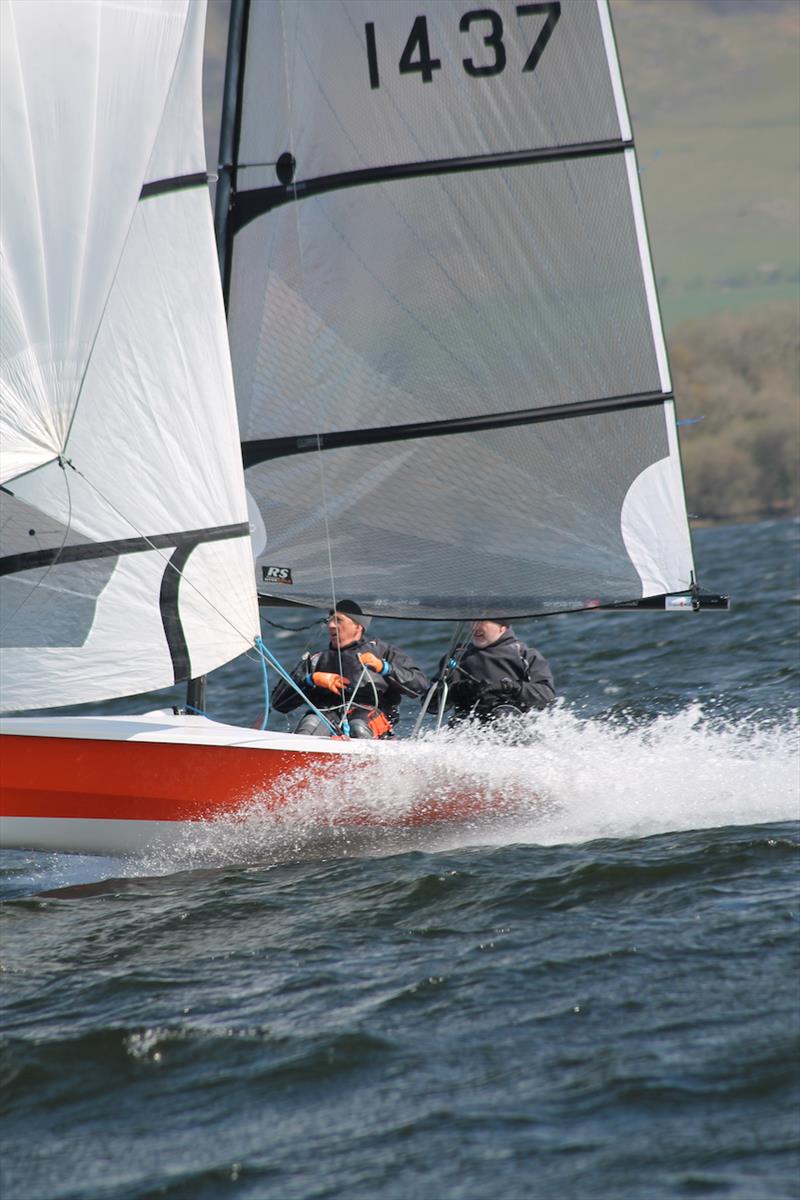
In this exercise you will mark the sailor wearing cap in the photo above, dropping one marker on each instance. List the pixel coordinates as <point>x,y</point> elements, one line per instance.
<point>364,675</point>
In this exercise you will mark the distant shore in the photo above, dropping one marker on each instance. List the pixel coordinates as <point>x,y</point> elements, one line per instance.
<point>736,378</point>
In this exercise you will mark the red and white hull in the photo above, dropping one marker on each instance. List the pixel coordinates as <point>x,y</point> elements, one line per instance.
<point>119,784</point>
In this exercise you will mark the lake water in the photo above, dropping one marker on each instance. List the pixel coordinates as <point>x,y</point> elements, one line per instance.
<point>601,999</point>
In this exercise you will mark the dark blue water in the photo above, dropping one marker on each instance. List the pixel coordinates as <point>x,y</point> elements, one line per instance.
<point>601,999</point>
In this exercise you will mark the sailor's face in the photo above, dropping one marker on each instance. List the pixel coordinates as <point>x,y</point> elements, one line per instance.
<point>486,633</point>
<point>342,630</point>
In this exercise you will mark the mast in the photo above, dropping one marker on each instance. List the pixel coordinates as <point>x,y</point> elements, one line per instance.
<point>226,174</point>
<point>229,139</point>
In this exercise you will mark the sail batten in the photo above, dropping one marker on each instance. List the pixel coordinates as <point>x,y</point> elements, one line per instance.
<point>254,452</point>
<point>175,184</point>
<point>253,202</point>
<point>11,564</point>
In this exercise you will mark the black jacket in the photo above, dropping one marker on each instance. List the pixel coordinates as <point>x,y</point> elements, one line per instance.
<point>507,672</point>
<point>404,678</point>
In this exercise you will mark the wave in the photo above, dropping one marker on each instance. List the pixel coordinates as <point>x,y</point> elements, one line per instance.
<point>551,778</point>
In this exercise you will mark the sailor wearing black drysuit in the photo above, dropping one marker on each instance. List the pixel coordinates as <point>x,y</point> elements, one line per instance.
<point>386,674</point>
<point>496,675</point>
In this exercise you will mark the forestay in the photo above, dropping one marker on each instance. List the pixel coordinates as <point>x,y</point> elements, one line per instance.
<point>450,371</point>
<point>125,556</point>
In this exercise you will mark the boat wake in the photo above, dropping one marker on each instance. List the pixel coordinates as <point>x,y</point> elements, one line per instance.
<point>563,778</point>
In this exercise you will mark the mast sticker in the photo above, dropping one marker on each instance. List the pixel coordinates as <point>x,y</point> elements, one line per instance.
<point>277,575</point>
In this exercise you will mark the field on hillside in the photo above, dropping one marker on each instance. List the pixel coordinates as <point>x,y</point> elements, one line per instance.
<point>714,94</point>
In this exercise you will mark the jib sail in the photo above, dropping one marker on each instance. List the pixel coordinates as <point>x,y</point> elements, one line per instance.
<point>124,551</point>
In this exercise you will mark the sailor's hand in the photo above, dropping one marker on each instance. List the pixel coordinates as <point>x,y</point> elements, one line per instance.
<point>379,665</point>
<point>463,694</point>
<point>330,680</point>
<point>505,691</point>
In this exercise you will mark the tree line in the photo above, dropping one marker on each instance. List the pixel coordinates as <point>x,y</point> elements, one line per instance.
<point>740,372</point>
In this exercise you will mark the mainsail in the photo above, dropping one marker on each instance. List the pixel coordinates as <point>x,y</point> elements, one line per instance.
<point>449,365</point>
<point>124,554</point>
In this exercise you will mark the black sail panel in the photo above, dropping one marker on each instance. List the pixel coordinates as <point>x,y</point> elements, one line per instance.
<point>524,520</point>
<point>439,219</point>
<point>533,296</point>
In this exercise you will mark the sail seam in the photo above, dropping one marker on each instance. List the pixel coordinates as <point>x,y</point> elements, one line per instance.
<point>31,559</point>
<point>264,449</point>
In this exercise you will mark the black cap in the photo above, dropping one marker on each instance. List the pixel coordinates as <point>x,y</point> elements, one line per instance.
<point>352,610</point>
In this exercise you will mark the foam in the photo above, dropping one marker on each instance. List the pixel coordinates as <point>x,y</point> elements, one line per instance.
<point>567,778</point>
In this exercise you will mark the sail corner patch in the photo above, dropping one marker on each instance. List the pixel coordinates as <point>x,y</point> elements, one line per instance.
<point>277,575</point>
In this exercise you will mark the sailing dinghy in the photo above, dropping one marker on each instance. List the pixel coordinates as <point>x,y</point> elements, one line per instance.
<point>451,384</point>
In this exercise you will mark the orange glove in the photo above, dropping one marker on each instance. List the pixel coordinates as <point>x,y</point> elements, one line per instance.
<point>330,680</point>
<point>368,659</point>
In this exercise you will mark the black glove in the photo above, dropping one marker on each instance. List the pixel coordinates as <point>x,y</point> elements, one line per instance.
<point>464,693</point>
<point>504,692</point>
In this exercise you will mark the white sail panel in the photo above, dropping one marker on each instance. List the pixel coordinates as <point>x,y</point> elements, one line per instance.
<point>69,188</point>
<point>435,81</point>
<point>128,565</point>
<point>654,524</point>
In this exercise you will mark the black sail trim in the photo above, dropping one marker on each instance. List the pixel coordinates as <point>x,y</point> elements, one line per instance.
<point>265,449</point>
<point>247,205</point>
<point>31,559</point>
<point>178,183</point>
<point>170,613</point>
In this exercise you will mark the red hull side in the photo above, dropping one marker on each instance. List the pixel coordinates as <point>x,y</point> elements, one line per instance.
<point>145,781</point>
<point>110,794</point>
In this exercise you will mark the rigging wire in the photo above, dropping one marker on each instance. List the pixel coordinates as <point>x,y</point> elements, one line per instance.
<point>450,664</point>
<point>284,674</point>
<point>294,628</point>
<point>265,677</point>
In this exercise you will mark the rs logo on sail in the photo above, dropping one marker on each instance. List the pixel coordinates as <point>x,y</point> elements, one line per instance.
<point>276,574</point>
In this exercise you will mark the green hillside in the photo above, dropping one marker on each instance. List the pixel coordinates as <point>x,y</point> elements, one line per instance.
<point>714,94</point>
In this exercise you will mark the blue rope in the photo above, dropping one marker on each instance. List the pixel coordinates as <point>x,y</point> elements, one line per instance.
<point>265,674</point>
<point>269,657</point>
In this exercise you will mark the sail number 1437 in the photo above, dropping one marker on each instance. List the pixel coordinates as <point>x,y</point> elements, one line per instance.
<point>418,57</point>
